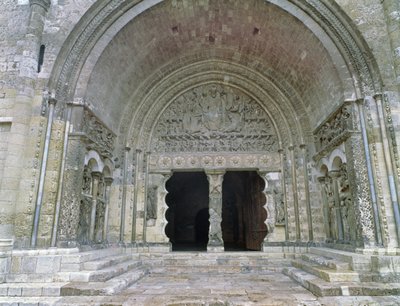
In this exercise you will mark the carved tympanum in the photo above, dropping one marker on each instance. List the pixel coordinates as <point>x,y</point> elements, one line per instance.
<point>214,118</point>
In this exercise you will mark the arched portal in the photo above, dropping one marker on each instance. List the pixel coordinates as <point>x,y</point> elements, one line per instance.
<point>265,86</point>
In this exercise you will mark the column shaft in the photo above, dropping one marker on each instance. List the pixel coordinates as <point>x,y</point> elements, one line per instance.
<point>215,242</point>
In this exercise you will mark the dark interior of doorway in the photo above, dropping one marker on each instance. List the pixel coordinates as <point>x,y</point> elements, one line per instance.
<point>243,215</point>
<point>187,213</point>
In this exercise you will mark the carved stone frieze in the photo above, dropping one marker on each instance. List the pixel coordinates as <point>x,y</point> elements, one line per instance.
<point>335,130</point>
<point>100,137</point>
<point>214,118</point>
<point>162,162</point>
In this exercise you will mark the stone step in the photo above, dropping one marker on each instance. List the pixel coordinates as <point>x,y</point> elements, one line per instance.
<point>327,274</point>
<point>201,270</point>
<point>107,262</point>
<point>29,301</point>
<point>358,262</point>
<point>104,274</point>
<point>32,278</point>
<point>326,261</point>
<point>312,283</point>
<point>233,258</point>
<point>110,287</point>
<point>214,262</point>
<point>31,289</point>
<point>84,275</point>
<point>91,255</point>
<point>320,287</point>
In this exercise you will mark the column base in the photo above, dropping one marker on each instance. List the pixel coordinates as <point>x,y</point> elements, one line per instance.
<point>215,248</point>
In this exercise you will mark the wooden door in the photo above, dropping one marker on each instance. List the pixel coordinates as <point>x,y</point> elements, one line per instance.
<point>253,212</point>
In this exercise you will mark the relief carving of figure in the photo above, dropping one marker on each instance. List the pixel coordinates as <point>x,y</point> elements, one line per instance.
<point>212,106</point>
<point>338,124</point>
<point>215,233</point>
<point>84,220</point>
<point>346,209</point>
<point>333,233</point>
<point>87,181</point>
<point>279,207</point>
<point>151,212</point>
<point>214,118</point>
<point>102,138</point>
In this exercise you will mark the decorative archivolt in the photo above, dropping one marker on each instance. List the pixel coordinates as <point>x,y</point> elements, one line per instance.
<point>214,118</point>
<point>92,30</point>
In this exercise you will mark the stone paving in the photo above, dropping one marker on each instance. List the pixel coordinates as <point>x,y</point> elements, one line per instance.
<point>268,288</point>
<point>265,288</point>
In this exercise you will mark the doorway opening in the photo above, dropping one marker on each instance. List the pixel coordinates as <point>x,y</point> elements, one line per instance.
<point>187,213</point>
<point>243,216</point>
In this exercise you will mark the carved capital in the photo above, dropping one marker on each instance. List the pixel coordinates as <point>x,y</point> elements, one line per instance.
<point>42,3</point>
<point>108,181</point>
<point>334,173</point>
<point>96,175</point>
<point>215,180</point>
<point>52,101</point>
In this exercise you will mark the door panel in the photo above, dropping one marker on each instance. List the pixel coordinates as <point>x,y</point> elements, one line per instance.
<point>243,214</point>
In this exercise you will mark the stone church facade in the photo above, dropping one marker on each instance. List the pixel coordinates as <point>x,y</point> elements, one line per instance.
<point>202,125</point>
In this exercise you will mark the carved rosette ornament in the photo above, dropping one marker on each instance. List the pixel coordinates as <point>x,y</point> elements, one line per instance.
<point>214,118</point>
<point>161,162</point>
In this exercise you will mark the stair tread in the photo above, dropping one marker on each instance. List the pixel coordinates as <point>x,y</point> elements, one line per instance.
<point>32,285</point>
<point>91,255</point>
<point>104,262</point>
<point>326,261</point>
<point>109,287</point>
<point>109,268</point>
<point>321,287</point>
<point>324,268</point>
